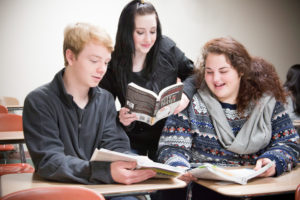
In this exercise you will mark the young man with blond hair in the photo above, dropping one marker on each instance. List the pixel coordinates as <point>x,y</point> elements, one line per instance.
<point>67,119</point>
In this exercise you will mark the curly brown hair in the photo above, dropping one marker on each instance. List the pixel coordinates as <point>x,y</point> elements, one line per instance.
<point>257,75</point>
<point>265,79</point>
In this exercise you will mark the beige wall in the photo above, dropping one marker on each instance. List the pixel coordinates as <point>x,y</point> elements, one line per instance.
<point>31,32</point>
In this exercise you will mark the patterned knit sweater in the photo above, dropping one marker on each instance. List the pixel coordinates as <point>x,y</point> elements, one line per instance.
<point>189,138</point>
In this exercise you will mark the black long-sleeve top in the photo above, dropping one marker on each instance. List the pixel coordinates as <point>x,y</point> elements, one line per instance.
<point>171,63</point>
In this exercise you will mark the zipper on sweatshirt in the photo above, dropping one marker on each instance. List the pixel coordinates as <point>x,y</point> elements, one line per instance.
<point>80,113</point>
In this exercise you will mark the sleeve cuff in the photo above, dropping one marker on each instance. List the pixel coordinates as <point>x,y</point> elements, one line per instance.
<point>101,172</point>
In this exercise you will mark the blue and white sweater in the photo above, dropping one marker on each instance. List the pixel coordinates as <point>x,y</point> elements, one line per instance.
<point>190,138</point>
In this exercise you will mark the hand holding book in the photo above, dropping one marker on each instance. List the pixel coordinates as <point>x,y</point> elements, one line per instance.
<point>142,162</point>
<point>260,163</point>
<point>240,175</point>
<point>184,102</point>
<point>204,171</point>
<point>126,117</point>
<point>122,172</point>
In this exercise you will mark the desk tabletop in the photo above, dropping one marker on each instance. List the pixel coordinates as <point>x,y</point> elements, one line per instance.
<point>14,107</point>
<point>15,182</point>
<point>10,137</point>
<point>285,183</point>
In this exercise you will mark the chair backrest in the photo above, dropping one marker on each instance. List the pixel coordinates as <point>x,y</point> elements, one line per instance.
<point>57,193</point>
<point>9,101</point>
<point>11,122</point>
<point>15,168</point>
<point>297,193</point>
<point>3,109</point>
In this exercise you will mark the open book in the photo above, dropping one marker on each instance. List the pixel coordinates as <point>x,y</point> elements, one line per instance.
<point>241,176</point>
<point>162,170</point>
<point>150,107</point>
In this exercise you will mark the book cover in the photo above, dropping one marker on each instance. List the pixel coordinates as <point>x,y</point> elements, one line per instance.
<point>143,162</point>
<point>150,107</point>
<point>241,175</point>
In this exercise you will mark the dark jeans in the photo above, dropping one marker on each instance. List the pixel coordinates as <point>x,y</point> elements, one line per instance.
<point>202,193</point>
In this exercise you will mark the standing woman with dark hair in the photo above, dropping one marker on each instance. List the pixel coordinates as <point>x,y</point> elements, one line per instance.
<point>144,56</point>
<point>292,84</point>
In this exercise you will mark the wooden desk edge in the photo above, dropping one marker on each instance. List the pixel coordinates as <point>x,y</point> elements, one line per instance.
<point>11,137</point>
<point>26,181</point>
<point>256,186</point>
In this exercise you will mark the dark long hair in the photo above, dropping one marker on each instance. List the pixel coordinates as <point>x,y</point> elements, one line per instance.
<point>251,70</point>
<point>293,85</point>
<point>124,47</point>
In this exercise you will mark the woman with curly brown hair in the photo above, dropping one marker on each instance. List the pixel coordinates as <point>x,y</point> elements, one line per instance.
<point>235,118</point>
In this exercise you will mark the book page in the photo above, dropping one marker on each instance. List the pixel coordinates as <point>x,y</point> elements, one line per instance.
<point>143,162</point>
<point>170,96</point>
<point>169,100</point>
<point>212,172</point>
<point>241,176</point>
<point>169,90</point>
<point>165,111</point>
<point>110,156</point>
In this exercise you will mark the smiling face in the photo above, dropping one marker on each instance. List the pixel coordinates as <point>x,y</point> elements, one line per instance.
<point>145,32</point>
<point>90,65</point>
<point>221,78</point>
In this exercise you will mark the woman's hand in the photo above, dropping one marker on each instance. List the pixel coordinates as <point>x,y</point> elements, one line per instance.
<point>125,117</point>
<point>262,162</point>
<point>182,105</point>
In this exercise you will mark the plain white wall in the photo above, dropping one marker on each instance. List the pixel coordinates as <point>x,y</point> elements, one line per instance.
<point>31,32</point>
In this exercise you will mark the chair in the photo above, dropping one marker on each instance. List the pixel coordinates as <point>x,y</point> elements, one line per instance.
<point>13,122</point>
<point>57,193</point>
<point>3,109</point>
<point>15,168</point>
<point>9,101</point>
<point>297,193</point>
<point>5,147</point>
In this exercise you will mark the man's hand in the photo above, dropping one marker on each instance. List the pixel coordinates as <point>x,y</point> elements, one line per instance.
<point>187,177</point>
<point>262,162</point>
<point>125,172</point>
<point>182,105</point>
<point>125,117</point>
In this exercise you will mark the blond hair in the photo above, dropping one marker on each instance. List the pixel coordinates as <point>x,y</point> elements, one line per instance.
<point>76,36</point>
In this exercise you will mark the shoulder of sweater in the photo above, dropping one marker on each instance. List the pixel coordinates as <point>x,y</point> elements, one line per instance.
<point>40,92</point>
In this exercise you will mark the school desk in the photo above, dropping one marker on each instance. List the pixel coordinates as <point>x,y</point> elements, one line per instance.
<point>14,137</point>
<point>286,183</point>
<point>15,182</point>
